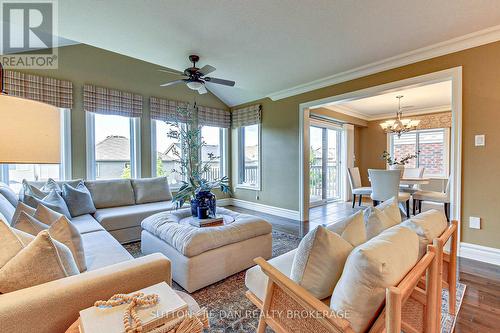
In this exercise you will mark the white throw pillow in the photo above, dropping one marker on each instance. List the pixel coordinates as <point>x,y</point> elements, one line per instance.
<point>372,267</point>
<point>382,217</point>
<point>352,229</point>
<point>42,260</point>
<point>319,261</point>
<point>428,226</point>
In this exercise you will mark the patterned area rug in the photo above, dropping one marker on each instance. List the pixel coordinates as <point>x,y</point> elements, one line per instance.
<point>230,310</point>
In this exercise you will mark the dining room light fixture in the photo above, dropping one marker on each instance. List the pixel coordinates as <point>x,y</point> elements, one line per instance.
<point>399,125</point>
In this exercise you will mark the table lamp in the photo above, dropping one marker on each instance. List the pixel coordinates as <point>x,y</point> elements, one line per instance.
<point>29,130</point>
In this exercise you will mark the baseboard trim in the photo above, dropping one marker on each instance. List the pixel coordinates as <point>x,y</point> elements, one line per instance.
<point>272,210</point>
<point>486,254</point>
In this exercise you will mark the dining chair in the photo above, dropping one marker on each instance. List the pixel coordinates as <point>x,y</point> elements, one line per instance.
<point>412,173</point>
<point>385,185</point>
<point>432,196</point>
<point>356,186</point>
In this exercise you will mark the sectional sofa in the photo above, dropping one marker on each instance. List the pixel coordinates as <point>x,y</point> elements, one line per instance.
<point>110,268</point>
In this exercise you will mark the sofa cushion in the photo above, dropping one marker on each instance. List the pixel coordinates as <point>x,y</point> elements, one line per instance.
<point>102,250</point>
<point>428,225</point>
<point>78,199</point>
<point>371,267</point>
<point>129,216</point>
<point>111,193</point>
<point>42,260</point>
<point>352,229</point>
<point>256,280</point>
<point>192,241</point>
<point>86,223</point>
<point>151,190</point>
<point>319,261</point>
<point>382,217</point>
<point>9,194</point>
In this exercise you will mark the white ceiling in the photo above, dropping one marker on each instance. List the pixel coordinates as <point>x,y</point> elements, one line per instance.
<point>268,46</point>
<point>435,97</point>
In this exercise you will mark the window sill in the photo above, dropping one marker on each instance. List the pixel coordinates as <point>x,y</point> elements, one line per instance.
<point>247,187</point>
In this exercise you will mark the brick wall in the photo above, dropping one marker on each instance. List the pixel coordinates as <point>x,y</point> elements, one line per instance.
<point>431,156</point>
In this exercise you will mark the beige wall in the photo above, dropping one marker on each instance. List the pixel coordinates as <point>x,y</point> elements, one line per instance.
<point>82,64</point>
<point>480,166</point>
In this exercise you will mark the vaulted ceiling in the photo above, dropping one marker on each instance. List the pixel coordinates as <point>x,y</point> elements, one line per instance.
<point>268,46</point>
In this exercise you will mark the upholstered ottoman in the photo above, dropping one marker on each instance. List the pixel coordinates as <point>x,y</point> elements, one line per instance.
<point>202,256</point>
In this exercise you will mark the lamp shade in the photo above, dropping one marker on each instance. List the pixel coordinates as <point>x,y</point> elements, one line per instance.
<point>30,131</point>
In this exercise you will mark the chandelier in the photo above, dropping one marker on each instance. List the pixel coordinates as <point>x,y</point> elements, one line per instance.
<point>399,125</point>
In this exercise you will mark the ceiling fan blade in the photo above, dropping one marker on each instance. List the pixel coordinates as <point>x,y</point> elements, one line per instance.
<point>171,83</point>
<point>206,69</point>
<point>202,90</point>
<point>219,81</point>
<point>170,71</point>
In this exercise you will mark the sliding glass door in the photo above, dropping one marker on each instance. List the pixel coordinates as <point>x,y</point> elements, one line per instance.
<point>324,160</point>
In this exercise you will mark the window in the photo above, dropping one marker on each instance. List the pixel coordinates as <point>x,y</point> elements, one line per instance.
<point>432,147</point>
<point>112,146</point>
<point>249,156</point>
<point>13,174</point>
<point>166,162</point>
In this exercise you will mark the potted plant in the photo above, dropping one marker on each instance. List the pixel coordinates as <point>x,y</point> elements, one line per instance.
<point>195,188</point>
<point>397,164</point>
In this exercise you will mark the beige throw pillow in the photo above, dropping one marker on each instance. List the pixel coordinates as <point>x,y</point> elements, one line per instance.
<point>61,230</point>
<point>352,229</point>
<point>46,215</point>
<point>382,217</point>
<point>319,261</point>
<point>11,244</point>
<point>22,207</point>
<point>371,267</point>
<point>428,225</point>
<point>41,261</point>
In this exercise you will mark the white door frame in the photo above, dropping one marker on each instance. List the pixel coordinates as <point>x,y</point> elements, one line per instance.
<point>454,74</point>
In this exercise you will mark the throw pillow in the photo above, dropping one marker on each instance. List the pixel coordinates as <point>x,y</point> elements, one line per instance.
<point>6,208</point>
<point>372,267</point>
<point>30,193</point>
<point>380,218</point>
<point>42,260</point>
<point>61,230</point>
<point>319,261</point>
<point>78,199</point>
<point>50,185</point>
<point>22,207</point>
<point>9,194</point>
<point>151,190</point>
<point>46,215</point>
<point>352,229</point>
<point>55,201</point>
<point>391,208</point>
<point>428,225</point>
<point>11,244</point>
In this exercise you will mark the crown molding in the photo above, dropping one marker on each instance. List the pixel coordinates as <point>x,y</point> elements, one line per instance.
<point>468,41</point>
<point>406,112</point>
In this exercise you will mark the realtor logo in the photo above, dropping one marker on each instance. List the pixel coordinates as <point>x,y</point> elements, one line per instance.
<point>28,26</point>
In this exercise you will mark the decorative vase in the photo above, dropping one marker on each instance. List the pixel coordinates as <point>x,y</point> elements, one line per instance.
<point>204,199</point>
<point>399,167</point>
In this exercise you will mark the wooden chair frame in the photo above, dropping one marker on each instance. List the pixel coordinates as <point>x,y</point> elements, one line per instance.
<point>283,296</point>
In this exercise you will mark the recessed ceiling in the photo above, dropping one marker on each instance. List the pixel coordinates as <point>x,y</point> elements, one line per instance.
<point>430,98</point>
<point>268,46</point>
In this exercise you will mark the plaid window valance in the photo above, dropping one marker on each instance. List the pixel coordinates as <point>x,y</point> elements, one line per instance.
<point>111,102</point>
<point>39,88</point>
<point>250,115</point>
<point>166,110</point>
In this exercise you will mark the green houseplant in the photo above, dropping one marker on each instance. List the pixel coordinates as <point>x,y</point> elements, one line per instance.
<point>195,187</point>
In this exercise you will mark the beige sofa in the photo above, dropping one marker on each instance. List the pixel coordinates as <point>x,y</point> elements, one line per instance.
<point>54,306</point>
<point>120,206</point>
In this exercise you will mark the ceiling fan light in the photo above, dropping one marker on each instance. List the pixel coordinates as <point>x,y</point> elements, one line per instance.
<point>194,85</point>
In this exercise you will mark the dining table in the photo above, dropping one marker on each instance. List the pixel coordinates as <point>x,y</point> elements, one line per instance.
<point>414,181</point>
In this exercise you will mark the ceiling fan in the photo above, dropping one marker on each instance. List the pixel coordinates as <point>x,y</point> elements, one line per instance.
<point>195,78</point>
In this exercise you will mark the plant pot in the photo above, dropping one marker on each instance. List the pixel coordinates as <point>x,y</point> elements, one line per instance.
<point>399,167</point>
<point>204,199</point>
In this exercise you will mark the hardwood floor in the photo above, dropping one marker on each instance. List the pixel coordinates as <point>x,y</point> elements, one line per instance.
<point>480,311</point>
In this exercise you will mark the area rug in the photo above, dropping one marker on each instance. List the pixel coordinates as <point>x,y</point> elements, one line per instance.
<point>230,310</point>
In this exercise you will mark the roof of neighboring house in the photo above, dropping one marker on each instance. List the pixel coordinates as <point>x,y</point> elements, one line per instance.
<point>113,148</point>
<point>168,155</point>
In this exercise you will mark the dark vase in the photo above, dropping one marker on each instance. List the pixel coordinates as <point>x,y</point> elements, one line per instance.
<point>204,199</point>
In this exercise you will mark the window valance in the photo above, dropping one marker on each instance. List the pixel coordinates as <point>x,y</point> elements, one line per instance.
<point>166,110</point>
<point>436,120</point>
<point>39,88</point>
<point>247,116</point>
<point>111,102</point>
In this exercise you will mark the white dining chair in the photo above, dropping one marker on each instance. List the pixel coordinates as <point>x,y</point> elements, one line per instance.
<point>432,196</point>
<point>411,173</point>
<point>356,186</point>
<point>385,185</point>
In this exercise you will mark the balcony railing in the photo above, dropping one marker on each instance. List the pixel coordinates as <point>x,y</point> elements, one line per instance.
<point>316,181</point>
